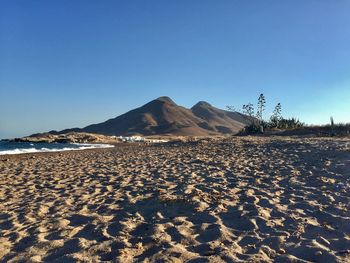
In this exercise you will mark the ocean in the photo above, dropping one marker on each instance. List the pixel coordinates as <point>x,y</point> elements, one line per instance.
<point>7,147</point>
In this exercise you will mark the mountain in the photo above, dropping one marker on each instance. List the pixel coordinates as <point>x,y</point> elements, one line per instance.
<point>163,116</point>
<point>218,120</point>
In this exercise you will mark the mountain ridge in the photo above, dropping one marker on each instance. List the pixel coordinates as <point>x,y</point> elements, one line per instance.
<point>162,116</point>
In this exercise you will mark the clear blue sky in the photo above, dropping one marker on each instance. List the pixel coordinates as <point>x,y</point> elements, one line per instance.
<point>72,63</point>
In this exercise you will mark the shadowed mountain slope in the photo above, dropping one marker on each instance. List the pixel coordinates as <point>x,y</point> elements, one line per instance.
<point>219,120</point>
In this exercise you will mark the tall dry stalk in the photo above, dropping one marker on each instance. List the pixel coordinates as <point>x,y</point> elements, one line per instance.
<point>332,127</point>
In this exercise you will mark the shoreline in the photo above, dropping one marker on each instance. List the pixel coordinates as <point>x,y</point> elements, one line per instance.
<point>58,147</point>
<point>53,153</point>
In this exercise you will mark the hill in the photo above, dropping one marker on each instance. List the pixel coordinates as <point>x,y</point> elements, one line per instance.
<point>163,116</point>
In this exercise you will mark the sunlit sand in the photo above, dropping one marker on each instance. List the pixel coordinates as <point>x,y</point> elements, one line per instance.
<point>242,199</point>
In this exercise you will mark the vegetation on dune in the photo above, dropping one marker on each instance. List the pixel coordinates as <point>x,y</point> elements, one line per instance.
<point>339,129</point>
<point>277,123</point>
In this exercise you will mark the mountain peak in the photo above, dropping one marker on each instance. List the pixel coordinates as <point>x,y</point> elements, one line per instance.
<point>165,99</point>
<point>202,104</point>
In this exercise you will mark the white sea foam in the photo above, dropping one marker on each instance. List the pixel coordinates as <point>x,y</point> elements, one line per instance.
<point>139,139</point>
<point>80,146</point>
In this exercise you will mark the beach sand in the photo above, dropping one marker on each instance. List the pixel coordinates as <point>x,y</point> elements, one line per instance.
<point>245,199</point>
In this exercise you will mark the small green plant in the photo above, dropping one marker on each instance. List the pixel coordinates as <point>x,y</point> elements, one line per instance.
<point>252,128</point>
<point>291,123</point>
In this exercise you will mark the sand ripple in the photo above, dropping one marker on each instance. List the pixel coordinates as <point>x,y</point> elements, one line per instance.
<point>234,200</point>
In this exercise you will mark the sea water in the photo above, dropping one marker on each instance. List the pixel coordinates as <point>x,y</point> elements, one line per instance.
<point>7,147</point>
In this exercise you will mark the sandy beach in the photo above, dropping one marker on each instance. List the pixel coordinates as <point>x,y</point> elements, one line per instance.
<point>244,199</point>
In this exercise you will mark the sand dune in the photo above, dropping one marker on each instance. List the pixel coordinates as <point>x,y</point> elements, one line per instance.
<point>235,200</point>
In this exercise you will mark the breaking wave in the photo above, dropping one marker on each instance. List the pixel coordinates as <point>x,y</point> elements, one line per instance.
<point>18,148</point>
